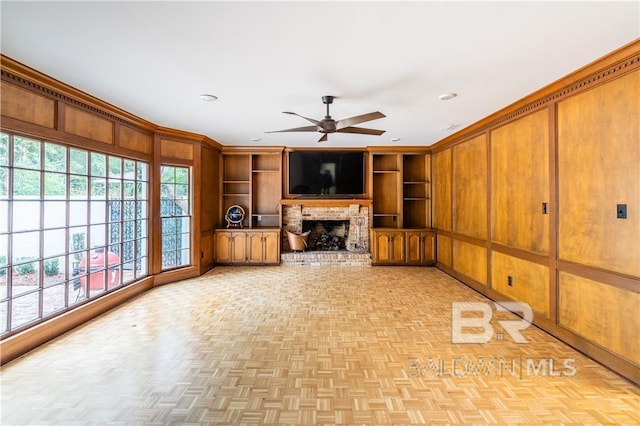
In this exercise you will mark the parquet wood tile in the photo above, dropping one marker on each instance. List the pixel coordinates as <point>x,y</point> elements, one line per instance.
<point>304,345</point>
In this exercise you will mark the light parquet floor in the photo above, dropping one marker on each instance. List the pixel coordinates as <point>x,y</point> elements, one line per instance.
<point>304,345</point>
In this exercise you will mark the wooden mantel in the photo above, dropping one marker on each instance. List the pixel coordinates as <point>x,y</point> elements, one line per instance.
<point>325,202</point>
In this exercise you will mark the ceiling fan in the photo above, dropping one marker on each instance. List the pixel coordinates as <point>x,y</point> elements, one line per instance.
<point>329,125</point>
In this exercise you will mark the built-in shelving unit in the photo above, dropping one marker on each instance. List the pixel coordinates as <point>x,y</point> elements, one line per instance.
<point>236,184</point>
<point>401,190</point>
<point>253,180</point>
<point>416,197</point>
<point>386,191</point>
<point>266,191</point>
<point>401,211</point>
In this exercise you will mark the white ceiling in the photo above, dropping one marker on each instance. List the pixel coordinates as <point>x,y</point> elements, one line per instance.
<point>154,59</point>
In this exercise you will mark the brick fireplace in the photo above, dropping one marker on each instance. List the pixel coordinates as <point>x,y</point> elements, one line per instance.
<point>354,229</point>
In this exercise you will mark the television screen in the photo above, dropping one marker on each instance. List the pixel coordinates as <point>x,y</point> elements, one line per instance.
<point>326,173</point>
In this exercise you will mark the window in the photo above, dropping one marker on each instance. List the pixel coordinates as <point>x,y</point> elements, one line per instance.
<point>73,225</point>
<point>175,213</point>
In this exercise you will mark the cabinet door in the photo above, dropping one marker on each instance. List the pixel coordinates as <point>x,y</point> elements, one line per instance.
<point>428,248</point>
<point>420,247</point>
<point>271,247</point>
<point>238,247</point>
<point>255,247</point>
<point>223,247</point>
<point>380,247</point>
<point>414,247</point>
<point>388,247</point>
<point>397,247</point>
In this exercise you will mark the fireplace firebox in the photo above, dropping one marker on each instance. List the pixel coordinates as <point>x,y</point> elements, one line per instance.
<point>326,235</point>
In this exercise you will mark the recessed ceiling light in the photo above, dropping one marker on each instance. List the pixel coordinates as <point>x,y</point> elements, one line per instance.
<point>395,139</point>
<point>450,127</point>
<point>447,96</point>
<point>208,98</point>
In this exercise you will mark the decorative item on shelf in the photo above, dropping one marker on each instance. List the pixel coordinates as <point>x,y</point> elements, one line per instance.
<point>234,216</point>
<point>298,242</point>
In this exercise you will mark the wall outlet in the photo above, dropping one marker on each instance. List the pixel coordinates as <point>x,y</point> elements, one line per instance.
<point>509,280</point>
<point>545,208</point>
<point>621,211</point>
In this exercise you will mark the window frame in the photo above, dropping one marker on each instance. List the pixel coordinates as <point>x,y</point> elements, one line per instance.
<point>185,218</point>
<point>56,189</point>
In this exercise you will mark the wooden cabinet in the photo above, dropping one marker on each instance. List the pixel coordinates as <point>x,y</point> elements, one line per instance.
<point>388,247</point>
<point>401,210</point>
<point>263,247</point>
<point>248,246</point>
<point>403,247</point>
<point>420,247</point>
<point>231,246</point>
<point>252,179</point>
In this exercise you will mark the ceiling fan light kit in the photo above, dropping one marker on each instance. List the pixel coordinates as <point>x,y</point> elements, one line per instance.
<point>328,125</point>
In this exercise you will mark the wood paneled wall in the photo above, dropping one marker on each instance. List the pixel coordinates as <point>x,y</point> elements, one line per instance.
<point>37,106</point>
<point>469,185</point>
<point>520,183</point>
<point>599,167</point>
<point>525,205</point>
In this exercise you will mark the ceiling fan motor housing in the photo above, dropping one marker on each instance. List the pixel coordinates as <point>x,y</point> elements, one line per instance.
<point>327,100</point>
<point>327,125</point>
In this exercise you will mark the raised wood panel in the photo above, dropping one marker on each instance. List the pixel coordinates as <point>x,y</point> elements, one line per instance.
<point>388,247</point>
<point>470,260</point>
<point>441,189</point>
<point>443,251</point>
<point>530,281</point>
<point>135,140</point>
<point>25,105</point>
<point>239,246</point>
<point>207,251</point>
<point>255,243</point>
<point>606,315</point>
<point>599,167</point>
<point>88,125</point>
<point>420,248</point>
<point>271,247</point>
<point>223,247</point>
<point>175,149</point>
<point>209,189</point>
<point>520,183</point>
<point>470,187</point>
<point>414,247</point>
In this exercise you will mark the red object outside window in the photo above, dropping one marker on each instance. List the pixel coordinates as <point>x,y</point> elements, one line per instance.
<point>97,269</point>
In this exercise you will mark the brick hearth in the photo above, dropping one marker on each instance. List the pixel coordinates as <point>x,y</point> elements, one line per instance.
<point>357,243</point>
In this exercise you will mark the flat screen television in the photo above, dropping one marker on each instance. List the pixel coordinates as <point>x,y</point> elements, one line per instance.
<point>327,174</point>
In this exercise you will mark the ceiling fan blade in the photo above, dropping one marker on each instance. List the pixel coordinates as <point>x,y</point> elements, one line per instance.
<point>341,124</point>
<point>297,129</point>
<point>316,122</point>
<point>324,138</point>
<point>361,130</point>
